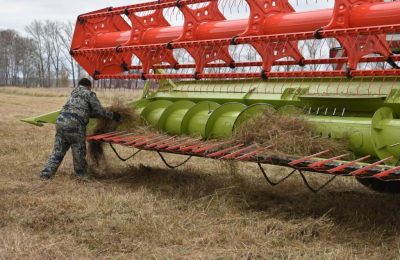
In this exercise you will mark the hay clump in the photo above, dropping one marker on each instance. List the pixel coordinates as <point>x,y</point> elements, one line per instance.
<point>289,132</point>
<point>103,125</point>
<point>130,119</point>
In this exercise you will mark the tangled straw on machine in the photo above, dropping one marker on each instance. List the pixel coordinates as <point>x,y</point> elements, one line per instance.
<point>103,125</point>
<point>290,134</point>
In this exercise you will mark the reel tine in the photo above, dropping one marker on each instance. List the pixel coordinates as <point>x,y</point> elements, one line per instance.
<point>298,161</point>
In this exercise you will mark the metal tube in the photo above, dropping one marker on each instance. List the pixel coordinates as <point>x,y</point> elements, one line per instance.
<point>297,22</point>
<point>375,14</point>
<point>280,23</point>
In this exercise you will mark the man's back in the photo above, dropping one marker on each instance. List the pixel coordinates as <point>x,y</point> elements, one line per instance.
<point>81,105</point>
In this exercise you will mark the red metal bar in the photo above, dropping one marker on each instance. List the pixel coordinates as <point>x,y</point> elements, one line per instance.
<point>138,8</point>
<point>298,161</point>
<point>128,138</point>
<point>235,154</point>
<point>375,73</point>
<point>364,169</point>
<point>173,142</point>
<point>247,156</point>
<point>292,74</point>
<point>116,76</point>
<point>192,147</point>
<point>323,162</point>
<point>149,141</point>
<point>153,145</point>
<point>139,138</point>
<point>208,147</point>
<point>276,63</point>
<point>183,144</point>
<point>99,137</point>
<point>224,151</point>
<point>347,164</point>
<point>388,172</point>
<point>120,134</point>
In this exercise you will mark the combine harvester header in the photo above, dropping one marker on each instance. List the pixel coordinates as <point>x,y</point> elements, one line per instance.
<point>339,65</point>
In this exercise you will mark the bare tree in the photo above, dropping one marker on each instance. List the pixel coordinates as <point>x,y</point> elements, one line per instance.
<point>15,58</point>
<point>53,34</point>
<point>65,35</point>
<point>42,58</point>
<point>36,31</point>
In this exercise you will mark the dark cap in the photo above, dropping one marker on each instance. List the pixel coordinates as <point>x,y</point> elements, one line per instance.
<point>85,82</point>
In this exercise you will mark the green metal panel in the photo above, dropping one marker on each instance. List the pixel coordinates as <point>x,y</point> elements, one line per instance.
<point>195,120</point>
<point>153,111</point>
<point>385,134</point>
<point>364,95</point>
<point>140,105</point>
<point>221,122</point>
<point>49,118</point>
<point>290,109</point>
<point>357,129</point>
<point>171,120</point>
<point>377,135</point>
<point>250,112</point>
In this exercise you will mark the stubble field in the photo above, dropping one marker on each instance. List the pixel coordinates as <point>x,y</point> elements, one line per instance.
<point>204,210</point>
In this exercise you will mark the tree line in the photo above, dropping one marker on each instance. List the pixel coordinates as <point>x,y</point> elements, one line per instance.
<point>40,58</point>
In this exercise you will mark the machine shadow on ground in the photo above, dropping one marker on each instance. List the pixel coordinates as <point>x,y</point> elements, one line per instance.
<point>358,210</point>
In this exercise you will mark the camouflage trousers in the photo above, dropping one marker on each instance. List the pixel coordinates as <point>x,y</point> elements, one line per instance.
<point>74,138</point>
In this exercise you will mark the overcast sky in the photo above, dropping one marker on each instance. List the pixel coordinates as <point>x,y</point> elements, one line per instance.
<point>16,14</point>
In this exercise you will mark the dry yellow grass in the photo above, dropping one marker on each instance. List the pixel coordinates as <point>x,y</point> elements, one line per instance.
<point>140,210</point>
<point>290,134</point>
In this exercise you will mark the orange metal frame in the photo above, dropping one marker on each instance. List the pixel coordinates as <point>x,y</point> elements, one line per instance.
<point>104,43</point>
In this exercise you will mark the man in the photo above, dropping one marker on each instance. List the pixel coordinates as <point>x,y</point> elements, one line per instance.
<point>71,129</point>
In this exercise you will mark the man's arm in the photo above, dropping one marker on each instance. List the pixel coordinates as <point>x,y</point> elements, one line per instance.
<point>97,110</point>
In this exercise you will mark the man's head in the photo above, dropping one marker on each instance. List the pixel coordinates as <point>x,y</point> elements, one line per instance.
<point>86,83</point>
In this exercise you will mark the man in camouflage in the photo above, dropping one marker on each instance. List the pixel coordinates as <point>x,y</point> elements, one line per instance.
<point>71,129</point>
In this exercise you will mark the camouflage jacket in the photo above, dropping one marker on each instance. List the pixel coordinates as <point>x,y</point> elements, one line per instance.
<point>81,105</point>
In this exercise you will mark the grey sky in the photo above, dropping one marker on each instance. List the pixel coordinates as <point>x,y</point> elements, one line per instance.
<point>16,14</point>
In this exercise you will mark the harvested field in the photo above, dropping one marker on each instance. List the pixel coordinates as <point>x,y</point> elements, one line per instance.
<point>141,210</point>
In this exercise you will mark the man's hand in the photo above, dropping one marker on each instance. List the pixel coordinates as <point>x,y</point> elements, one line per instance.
<point>117,117</point>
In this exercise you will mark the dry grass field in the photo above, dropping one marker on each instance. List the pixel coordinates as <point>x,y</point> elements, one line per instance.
<point>204,210</point>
